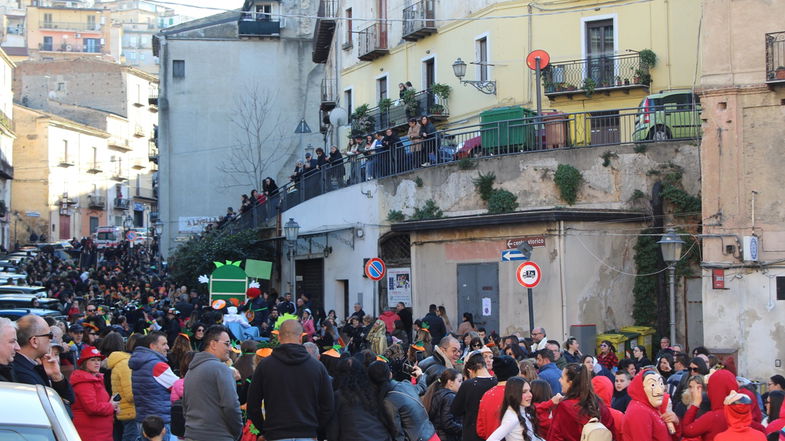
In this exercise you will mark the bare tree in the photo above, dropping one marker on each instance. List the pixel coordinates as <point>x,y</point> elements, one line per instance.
<point>256,151</point>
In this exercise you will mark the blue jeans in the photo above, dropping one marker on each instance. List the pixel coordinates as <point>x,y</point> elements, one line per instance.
<point>130,432</point>
<point>167,436</point>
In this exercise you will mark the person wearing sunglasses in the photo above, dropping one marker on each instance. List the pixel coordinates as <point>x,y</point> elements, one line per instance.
<point>34,363</point>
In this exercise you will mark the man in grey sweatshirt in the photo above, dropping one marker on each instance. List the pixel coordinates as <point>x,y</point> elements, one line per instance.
<point>210,403</point>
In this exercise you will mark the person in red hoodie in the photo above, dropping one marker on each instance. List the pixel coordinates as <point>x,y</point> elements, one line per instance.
<point>93,409</point>
<point>643,420</point>
<point>604,389</point>
<point>721,383</point>
<point>389,317</point>
<point>489,413</point>
<point>738,413</point>
<point>580,404</point>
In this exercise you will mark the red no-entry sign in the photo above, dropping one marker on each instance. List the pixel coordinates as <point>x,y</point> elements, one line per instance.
<point>528,274</point>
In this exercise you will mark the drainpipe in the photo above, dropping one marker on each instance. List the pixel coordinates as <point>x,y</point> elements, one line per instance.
<point>527,78</point>
<point>562,280</point>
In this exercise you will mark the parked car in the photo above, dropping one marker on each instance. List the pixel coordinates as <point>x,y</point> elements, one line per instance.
<point>11,301</point>
<point>668,115</point>
<point>16,313</point>
<point>38,291</point>
<point>33,412</point>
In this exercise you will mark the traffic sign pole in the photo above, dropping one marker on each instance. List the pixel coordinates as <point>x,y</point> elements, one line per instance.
<point>531,309</point>
<point>529,276</point>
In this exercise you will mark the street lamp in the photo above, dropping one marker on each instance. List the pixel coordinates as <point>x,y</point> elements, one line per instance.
<point>290,230</point>
<point>671,245</point>
<point>486,87</point>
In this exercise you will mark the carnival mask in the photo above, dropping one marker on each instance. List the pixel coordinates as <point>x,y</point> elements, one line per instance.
<point>654,388</point>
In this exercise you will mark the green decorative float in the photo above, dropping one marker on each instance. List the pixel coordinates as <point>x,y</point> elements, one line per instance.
<point>228,282</point>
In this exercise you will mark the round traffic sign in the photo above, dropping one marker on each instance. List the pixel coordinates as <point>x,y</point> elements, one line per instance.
<point>375,269</point>
<point>528,274</point>
<point>130,236</point>
<point>531,59</point>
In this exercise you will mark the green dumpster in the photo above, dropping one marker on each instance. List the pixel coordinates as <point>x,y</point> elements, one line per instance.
<point>507,130</point>
<point>616,339</point>
<point>631,340</point>
<point>644,339</point>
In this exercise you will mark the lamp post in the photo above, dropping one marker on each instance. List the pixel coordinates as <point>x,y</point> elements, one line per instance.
<point>290,230</point>
<point>671,245</point>
<point>486,87</point>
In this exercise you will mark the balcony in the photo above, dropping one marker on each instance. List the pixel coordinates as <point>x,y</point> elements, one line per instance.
<point>139,164</point>
<point>122,203</point>
<point>70,26</point>
<point>152,101</point>
<point>325,29</point>
<point>372,42</point>
<point>329,94</point>
<point>152,151</point>
<point>595,75</point>
<point>775,58</point>
<point>139,131</point>
<point>96,202</point>
<point>118,144</point>
<point>119,176</point>
<point>95,168</point>
<point>6,122</point>
<point>259,24</point>
<point>418,20</point>
<point>146,193</point>
<point>376,119</point>
<point>65,162</point>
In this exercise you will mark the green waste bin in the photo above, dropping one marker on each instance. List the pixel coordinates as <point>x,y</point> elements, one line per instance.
<point>631,340</point>
<point>507,130</point>
<point>616,339</point>
<point>646,334</point>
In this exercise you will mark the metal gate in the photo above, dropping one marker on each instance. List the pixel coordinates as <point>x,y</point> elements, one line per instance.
<point>478,293</point>
<point>312,283</point>
<point>694,316</point>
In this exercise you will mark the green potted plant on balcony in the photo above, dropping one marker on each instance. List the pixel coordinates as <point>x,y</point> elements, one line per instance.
<point>588,86</point>
<point>385,104</point>
<point>648,59</point>
<point>441,90</point>
<point>362,122</point>
<point>410,101</point>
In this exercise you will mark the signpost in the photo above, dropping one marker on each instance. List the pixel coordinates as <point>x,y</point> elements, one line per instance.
<point>510,255</point>
<point>538,60</point>
<point>534,241</point>
<point>529,275</point>
<point>375,269</point>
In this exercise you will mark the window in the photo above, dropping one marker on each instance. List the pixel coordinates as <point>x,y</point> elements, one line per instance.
<point>92,45</point>
<point>599,51</point>
<point>178,68</point>
<point>429,73</point>
<point>47,46</point>
<point>60,87</point>
<point>47,20</point>
<point>263,12</point>
<point>91,23</point>
<point>348,38</point>
<point>381,88</point>
<point>347,97</point>
<point>481,47</point>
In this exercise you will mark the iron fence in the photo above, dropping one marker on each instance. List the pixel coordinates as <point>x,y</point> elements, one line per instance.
<point>399,111</point>
<point>775,56</point>
<point>372,41</point>
<point>498,138</point>
<point>417,17</point>
<point>595,73</point>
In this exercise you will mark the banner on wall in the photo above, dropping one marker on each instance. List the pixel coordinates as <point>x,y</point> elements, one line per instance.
<point>399,286</point>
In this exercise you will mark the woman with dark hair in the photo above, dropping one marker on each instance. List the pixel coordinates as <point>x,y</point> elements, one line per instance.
<point>572,351</point>
<point>438,400</point>
<point>429,144</point>
<point>467,325</point>
<point>775,410</point>
<point>607,356</point>
<point>580,404</point>
<point>519,419</point>
<point>665,366</point>
<point>357,414</point>
<point>177,387</point>
<point>245,364</point>
<point>197,339</point>
<point>403,412</point>
<point>640,358</point>
<point>400,333</point>
<point>181,345</point>
<point>514,351</point>
<point>269,187</point>
<point>543,401</point>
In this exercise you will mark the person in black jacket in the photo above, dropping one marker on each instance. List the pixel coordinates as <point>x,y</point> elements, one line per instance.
<point>404,414</point>
<point>438,400</point>
<point>405,313</point>
<point>295,388</point>
<point>34,362</point>
<point>435,324</point>
<point>357,413</point>
<point>8,348</point>
<point>430,141</point>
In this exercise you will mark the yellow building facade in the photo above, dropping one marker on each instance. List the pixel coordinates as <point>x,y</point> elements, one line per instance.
<point>584,39</point>
<point>62,32</point>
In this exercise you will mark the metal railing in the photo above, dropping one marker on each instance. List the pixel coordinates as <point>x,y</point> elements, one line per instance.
<point>377,119</point>
<point>372,41</point>
<point>596,73</point>
<point>329,90</point>
<point>73,26</point>
<point>775,57</point>
<point>510,137</point>
<point>260,23</point>
<point>67,47</point>
<point>96,201</point>
<point>122,203</point>
<point>418,17</point>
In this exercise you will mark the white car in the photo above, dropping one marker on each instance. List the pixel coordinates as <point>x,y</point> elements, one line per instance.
<point>33,412</point>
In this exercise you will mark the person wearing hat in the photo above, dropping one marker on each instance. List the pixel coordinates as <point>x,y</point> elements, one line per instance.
<point>93,409</point>
<point>488,414</point>
<point>172,325</point>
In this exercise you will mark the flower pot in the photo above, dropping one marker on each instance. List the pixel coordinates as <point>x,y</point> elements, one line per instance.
<point>780,73</point>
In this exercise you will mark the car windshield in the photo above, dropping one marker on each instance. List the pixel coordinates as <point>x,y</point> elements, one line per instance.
<point>106,235</point>
<point>25,433</point>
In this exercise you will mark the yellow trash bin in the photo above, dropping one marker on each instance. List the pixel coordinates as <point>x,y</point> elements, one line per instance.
<point>616,339</point>
<point>645,338</point>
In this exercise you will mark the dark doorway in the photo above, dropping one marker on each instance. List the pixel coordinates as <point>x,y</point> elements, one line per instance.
<point>312,283</point>
<point>478,288</point>
<point>599,51</point>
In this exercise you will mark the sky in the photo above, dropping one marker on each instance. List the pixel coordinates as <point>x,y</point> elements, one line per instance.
<point>200,8</point>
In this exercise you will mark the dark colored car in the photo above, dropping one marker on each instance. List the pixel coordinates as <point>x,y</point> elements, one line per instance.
<point>11,301</point>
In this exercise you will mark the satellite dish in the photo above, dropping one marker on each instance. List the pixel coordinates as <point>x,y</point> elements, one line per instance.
<point>339,116</point>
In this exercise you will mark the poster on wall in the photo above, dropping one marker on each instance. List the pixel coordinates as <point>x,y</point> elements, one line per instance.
<point>194,224</point>
<point>399,286</point>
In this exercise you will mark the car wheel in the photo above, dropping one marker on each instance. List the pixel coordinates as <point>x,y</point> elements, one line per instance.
<point>659,133</point>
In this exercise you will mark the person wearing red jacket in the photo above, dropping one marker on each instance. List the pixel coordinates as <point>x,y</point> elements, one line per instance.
<point>643,420</point>
<point>580,404</point>
<point>738,413</point>
<point>389,317</point>
<point>604,389</point>
<point>489,413</point>
<point>721,383</point>
<point>93,409</point>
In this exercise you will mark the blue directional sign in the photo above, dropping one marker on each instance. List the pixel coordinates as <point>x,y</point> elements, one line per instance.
<point>510,255</point>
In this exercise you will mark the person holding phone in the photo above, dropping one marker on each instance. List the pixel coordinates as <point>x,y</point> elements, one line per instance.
<point>93,409</point>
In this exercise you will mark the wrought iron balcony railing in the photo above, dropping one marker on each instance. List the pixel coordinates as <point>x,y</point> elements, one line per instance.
<point>372,42</point>
<point>71,26</point>
<point>329,94</point>
<point>325,28</point>
<point>398,113</point>
<point>601,74</point>
<point>775,57</point>
<point>418,20</point>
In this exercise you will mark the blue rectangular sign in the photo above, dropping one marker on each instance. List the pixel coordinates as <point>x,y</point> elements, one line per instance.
<point>510,255</point>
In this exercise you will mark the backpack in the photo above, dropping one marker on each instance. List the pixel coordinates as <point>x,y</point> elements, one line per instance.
<point>177,414</point>
<point>594,430</point>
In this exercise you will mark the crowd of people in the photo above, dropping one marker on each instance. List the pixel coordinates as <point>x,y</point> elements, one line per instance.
<point>137,357</point>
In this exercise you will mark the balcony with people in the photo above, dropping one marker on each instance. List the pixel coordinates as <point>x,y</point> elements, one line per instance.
<point>395,114</point>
